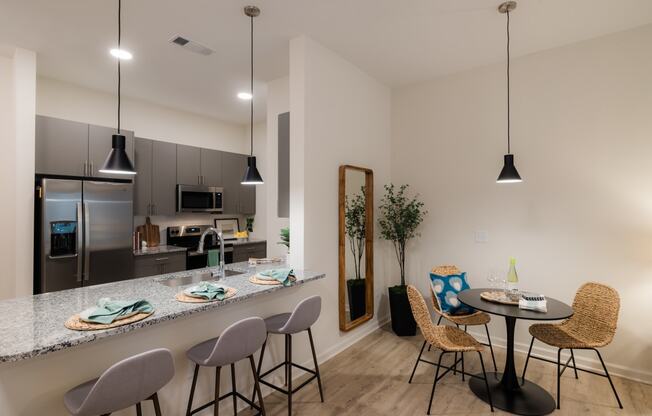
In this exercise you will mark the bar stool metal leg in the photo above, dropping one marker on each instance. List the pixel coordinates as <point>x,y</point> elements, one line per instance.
<point>574,366</point>
<point>216,409</point>
<point>139,409</point>
<point>314,358</point>
<point>157,406</point>
<point>256,384</point>
<point>609,378</point>
<point>192,389</point>
<point>259,370</point>
<point>289,346</point>
<point>235,398</point>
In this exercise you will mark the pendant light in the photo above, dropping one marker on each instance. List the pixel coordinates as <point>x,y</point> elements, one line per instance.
<point>118,161</point>
<point>509,174</point>
<point>251,175</point>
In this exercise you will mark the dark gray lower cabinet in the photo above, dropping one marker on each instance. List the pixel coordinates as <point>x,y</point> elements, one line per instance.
<point>242,252</point>
<point>152,265</point>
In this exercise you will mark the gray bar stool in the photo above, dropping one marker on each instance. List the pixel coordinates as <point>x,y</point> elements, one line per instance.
<point>237,342</point>
<point>123,385</point>
<point>301,319</point>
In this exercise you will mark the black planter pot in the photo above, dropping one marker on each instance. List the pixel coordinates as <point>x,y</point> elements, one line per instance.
<point>357,298</point>
<point>403,323</point>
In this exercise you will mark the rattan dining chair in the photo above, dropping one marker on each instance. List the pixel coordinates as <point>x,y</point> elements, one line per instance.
<point>446,338</point>
<point>592,326</point>
<point>472,319</point>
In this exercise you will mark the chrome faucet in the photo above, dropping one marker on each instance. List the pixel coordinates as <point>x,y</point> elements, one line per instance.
<point>218,233</point>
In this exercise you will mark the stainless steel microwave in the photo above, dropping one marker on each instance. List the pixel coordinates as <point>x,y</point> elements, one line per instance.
<point>199,198</point>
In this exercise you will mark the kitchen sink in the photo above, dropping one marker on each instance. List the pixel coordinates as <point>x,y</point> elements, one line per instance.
<point>196,278</point>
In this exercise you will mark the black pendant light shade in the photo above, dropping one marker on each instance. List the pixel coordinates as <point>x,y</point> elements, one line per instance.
<point>118,161</point>
<point>509,174</point>
<point>252,176</point>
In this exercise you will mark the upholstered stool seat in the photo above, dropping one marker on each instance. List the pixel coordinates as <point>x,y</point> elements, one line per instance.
<point>239,341</point>
<point>125,384</point>
<point>276,322</point>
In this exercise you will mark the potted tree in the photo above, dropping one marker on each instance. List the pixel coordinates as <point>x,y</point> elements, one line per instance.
<point>400,216</point>
<point>354,225</point>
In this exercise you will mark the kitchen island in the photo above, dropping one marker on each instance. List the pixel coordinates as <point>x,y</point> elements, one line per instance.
<point>41,356</point>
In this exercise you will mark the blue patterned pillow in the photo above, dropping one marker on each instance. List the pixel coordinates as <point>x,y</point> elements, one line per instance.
<point>446,289</point>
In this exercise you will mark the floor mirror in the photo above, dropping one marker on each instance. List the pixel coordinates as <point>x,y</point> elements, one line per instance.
<point>356,246</point>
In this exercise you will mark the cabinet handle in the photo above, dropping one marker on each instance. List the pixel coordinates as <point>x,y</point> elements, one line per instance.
<point>84,169</point>
<point>161,258</point>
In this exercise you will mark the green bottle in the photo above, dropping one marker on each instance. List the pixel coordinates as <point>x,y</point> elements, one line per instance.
<point>512,276</point>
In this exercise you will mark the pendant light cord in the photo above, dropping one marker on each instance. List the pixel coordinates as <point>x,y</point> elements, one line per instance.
<point>119,59</point>
<point>508,93</point>
<point>251,90</point>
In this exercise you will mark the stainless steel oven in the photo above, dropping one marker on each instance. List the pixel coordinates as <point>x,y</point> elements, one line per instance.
<point>199,198</point>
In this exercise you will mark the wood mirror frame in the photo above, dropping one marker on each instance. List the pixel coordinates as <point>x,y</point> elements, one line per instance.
<point>345,324</point>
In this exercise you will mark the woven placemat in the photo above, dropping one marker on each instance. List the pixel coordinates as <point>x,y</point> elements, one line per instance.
<point>498,297</point>
<point>182,297</point>
<point>257,281</point>
<point>76,324</point>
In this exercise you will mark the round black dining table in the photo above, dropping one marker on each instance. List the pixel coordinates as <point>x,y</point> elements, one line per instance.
<point>507,391</point>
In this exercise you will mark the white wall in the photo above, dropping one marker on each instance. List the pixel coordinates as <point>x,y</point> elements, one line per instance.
<point>17,109</point>
<point>581,129</point>
<point>63,100</point>
<point>339,115</point>
<point>278,102</point>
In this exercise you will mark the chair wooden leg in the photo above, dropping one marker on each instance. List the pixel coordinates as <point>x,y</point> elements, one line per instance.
<point>216,409</point>
<point>192,389</point>
<point>289,342</point>
<point>609,378</point>
<point>491,347</point>
<point>527,360</point>
<point>139,409</point>
<point>314,358</point>
<point>434,383</point>
<point>157,406</point>
<point>257,384</point>
<point>235,398</point>
<point>574,365</point>
<point>260,366</point>
<point>558,377</point>
<point>417,363</point>
<point>486,383</point>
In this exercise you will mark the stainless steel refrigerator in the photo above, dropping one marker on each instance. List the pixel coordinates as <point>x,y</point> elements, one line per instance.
<point>83,233</point>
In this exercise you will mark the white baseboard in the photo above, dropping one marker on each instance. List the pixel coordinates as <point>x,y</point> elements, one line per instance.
<point>542,350</point>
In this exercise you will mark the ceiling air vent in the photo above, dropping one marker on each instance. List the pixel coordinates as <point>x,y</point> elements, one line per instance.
<point>191,45</point>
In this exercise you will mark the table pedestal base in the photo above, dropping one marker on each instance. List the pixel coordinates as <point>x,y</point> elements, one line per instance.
<point>528,400</point>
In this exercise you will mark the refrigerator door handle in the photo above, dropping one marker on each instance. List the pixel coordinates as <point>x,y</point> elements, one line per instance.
<point>87,238</point>
<point>80,241</point>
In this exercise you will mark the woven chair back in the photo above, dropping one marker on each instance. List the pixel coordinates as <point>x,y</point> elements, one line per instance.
<point>596,307</point>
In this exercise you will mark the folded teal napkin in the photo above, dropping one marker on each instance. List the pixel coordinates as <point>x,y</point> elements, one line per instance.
<point>108,310</point>
<point>282,275</point>
<point>206,290</point>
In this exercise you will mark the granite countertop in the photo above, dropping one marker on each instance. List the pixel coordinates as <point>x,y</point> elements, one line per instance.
<point>159,250</point>
<point>33,326</point>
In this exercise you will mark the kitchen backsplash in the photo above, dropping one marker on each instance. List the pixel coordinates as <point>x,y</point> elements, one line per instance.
<point>192,219</point>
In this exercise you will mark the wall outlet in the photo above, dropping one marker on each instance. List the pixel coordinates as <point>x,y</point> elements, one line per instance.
<point>481,236</point>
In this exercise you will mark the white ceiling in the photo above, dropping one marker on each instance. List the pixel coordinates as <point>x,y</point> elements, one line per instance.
<point>397,41</point>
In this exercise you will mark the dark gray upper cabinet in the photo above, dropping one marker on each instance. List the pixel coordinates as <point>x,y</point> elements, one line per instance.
<point>155,184</point>
<point>143,180</point>
<point>164,177</point>
<point>211,167</point>
<point>99,145</point>
<point>232,171</point>
<point>61,146</point>
<point>188,165</point>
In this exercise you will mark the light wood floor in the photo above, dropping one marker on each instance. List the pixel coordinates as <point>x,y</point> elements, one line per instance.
<point>370,378</point>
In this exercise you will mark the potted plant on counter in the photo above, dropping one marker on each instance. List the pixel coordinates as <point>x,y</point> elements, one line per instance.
<point>355,217</point>
<point>400,216</point>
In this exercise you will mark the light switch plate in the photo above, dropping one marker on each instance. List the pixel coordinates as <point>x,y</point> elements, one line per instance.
<point>481,236</point>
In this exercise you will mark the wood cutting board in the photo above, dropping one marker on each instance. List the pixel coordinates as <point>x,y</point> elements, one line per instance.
<point>150,233</point>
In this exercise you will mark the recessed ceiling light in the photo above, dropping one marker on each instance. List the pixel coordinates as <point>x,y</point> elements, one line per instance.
<point>245,96</point>
<point>121,54</point>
